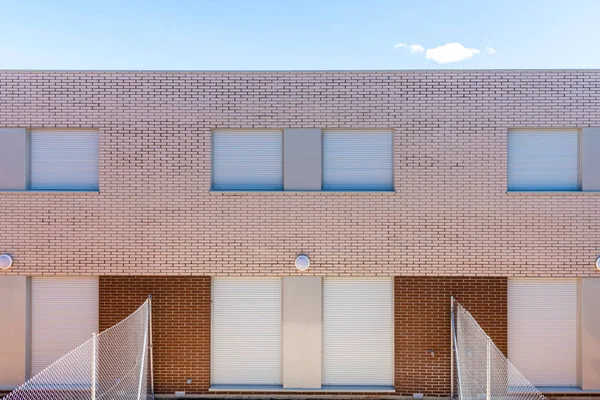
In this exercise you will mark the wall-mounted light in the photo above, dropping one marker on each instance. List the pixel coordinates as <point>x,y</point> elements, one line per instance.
<point>6,261</point>
<point>302,262</point>
<point>598,263</point>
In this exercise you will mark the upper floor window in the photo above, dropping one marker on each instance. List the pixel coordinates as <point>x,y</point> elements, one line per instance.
<point>63,160</point>
<point>544,159</point>
<point>357,160</point>
<point>247,159</point>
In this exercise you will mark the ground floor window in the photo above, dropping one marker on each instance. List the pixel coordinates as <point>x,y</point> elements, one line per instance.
<point>246,331</point>
<point>353,330</point>
<point>64,314</point>
<point>358,331</point>
<point>543,330</point>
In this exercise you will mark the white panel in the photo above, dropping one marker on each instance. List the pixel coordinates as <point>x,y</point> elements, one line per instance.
<point>64,314</point>
<point>543,160</point>
<point>248,160</point>
<point>542,330</point>
<point>246,331</point>
<point>358,331</point>
<point>64,160</point>
<point>357,160</point>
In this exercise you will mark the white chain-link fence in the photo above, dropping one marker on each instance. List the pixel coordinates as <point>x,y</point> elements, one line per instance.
<point>484,373</point>
<point>113,365</point>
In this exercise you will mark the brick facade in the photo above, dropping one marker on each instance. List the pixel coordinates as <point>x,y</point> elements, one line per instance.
<point>155,214</point>
<point>181,325</point>
<point>422,323</point>
<point>155,227</point>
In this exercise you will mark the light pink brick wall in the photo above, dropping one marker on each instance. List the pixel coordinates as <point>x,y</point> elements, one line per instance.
<point>154,214</point>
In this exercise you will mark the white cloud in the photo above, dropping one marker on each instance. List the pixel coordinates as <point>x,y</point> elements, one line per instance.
<point>414,48</point>
<point>450,52</point>
<point>447,53</point>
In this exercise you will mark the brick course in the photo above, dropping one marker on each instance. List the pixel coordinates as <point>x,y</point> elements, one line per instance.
<point>155,214</point>
<point>422,322</point>
<point>181,325</point>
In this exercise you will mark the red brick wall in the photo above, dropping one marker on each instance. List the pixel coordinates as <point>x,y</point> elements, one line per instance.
<point>155,213</point>
<point>181,322</point>
<point>181,325</point>
<point>422,322</point>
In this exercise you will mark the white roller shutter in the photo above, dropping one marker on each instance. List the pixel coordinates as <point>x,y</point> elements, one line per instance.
<point>64,314</point>
<point>248,160</point>
<point>246,331</point>
<point>358,331</point>
<point>63,160</point>
<point>542,330</point>
<point>543,160</point>
<point>357,160</point>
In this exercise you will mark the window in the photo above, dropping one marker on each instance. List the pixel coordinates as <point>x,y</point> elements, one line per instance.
<point>63,160</point>
<point>543,330</point>
<point>246,340</point>
<point>248,160</point>
<point>358,331</point>
<point>357,160</point>
<point>64,314</point>
<point>543,160</point>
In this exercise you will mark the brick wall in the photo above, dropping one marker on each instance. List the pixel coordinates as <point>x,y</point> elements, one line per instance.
<point>181,325</point>
<point>155,214</point>
<point>422,322</point>
<point>181,321</point>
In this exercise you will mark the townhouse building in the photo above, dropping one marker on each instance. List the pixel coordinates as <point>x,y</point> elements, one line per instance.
<point>302,232</point>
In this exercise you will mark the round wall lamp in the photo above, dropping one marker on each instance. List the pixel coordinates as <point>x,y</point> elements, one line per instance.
<point>6,261</point>
<point>302,262</point>
<point>598,263</point>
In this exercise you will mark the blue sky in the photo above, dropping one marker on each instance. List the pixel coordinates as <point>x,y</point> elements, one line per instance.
<point>299,35</point>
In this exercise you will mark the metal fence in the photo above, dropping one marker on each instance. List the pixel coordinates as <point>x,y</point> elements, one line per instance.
<point>483,372</point>
<point>112,365</point>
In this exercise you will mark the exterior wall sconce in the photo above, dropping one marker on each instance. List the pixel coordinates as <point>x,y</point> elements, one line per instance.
<point>598,263</point>
<point>302,262</point>
<point>6,261</point>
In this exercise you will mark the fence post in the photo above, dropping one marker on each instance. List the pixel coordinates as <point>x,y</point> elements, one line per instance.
<point>452,347</point>
<point>151,359</point>
<point>144,355</point>
<point>94,361</point>
<point>488,394</point>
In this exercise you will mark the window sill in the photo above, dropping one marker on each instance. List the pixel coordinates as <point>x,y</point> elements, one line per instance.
<point>324,388</point>
<point>302,192</point>
<point>565,390</point>
<point>553,193</point>
<point>79,192</point>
